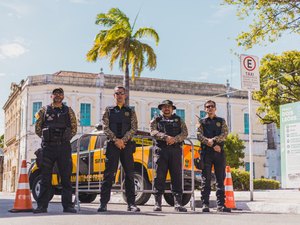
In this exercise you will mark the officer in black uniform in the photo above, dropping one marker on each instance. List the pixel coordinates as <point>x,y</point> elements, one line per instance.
<point>170,131</point>
<point>212,132</point>
<point>56,125</point>
<point>119,124</point>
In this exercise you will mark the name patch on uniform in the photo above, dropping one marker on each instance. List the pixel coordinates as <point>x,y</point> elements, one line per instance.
<point>127,114</point>
<point>218,124</point>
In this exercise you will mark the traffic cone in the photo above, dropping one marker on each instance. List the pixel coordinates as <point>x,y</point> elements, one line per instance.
<point>23,196</point>
<point>229,200</point>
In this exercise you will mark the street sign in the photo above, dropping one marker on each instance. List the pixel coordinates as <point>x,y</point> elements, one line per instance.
<point>250,73</point>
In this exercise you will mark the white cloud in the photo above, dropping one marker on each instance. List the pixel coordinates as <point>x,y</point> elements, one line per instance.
<point>220,12</point>
<point>12,50</point>
<point>16,7</point>
<point>2,74</point>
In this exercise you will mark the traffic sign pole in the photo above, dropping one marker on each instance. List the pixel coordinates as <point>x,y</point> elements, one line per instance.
<point>250,144</point>
<point>250,81</point>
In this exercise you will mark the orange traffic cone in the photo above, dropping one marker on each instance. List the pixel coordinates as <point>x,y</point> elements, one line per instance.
<point>229,200</point>
<point>23,196</point>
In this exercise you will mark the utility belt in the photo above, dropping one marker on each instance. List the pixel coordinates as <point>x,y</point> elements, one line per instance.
<point>56,135</point>
<point>163,144</point>
<point>207,149</point>
<point>130,144</point>
<point>54,143</point>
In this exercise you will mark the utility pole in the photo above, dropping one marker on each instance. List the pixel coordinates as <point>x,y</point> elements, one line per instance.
<point>228,106</point>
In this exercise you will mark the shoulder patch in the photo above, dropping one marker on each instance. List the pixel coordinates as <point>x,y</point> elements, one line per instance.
<point>37,115</point>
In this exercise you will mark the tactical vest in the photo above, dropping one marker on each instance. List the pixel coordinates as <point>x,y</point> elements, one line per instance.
<point>56,121</point>
<point>211,128</point>
<point>170,126</point>
<point>119,120</point>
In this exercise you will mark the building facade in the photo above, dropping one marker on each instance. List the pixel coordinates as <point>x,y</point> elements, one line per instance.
<point>88,94</point>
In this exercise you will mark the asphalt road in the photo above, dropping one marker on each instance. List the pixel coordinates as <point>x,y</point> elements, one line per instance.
<point>117,215</point>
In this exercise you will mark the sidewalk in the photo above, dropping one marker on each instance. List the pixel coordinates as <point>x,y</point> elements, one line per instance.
<point>266,201</point>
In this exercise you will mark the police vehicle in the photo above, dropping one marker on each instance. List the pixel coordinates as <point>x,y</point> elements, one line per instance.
<point>92,164</point>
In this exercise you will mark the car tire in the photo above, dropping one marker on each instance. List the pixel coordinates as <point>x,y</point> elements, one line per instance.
<point>87,198</point>
<point>170,199</point>
<point>36,188</point>
<point>141,198</point>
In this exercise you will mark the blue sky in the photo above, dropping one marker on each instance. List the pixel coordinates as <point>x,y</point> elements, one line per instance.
<point>196,39</point>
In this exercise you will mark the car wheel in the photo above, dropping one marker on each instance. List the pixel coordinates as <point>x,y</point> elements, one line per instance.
<point>170,199</point>
<point>87,198</point>
<point>140,197</point>
<point>36,188</point>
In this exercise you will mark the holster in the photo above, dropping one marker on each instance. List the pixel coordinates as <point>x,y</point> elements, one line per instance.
<point>46,134</point>
<point>39,157</point>
<point>199,163</point>
<point>132,146</point>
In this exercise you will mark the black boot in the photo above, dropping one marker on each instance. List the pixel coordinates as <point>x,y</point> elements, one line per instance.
<point>205,208</point>
<point>223,208</point>
<point>102,208</point>
<point>157,206</point>
<point>133,208</point>
<point>40,209</point>
<point>178,203</point>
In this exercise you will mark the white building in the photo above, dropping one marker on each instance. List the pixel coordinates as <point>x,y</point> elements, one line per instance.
<point>88,94</point>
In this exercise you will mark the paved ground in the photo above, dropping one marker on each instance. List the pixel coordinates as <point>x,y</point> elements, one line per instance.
<point>117,214</point>
<point>272,201</point>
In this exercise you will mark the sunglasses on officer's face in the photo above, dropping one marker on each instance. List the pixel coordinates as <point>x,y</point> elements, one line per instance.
<point>210,106</point>
<point>58,93</point>
<point>119,93</point>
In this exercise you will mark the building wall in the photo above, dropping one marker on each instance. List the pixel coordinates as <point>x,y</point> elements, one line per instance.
<point>12,112</point>
<point>145,94</point>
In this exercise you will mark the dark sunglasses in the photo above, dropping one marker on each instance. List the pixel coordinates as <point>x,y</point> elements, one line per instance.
<point>58,93</point>
<point>119,93</point>
<point>210,106</point>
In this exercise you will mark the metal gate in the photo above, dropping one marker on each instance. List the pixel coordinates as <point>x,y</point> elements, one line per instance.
<point>91,165</point>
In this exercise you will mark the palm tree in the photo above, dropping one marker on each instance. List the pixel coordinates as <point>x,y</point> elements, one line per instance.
<point>119,41</point>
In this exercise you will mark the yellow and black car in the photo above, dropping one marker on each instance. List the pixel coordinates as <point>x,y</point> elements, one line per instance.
<point>92,165</point>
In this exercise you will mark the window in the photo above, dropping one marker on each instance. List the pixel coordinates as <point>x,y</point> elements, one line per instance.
<point>154,112</point>
<point>100,141</point>
<point>85,114</point>
<point>246,123</point>
<point>202,114</point>
<point>74,145</point>
<point>35,108</point>
<point>247,167</point>
<point>84,143</point>
<point>181,113</point>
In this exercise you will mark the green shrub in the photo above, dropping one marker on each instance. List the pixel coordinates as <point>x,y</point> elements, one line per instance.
<point>264,184</point>
<point>240,180</point>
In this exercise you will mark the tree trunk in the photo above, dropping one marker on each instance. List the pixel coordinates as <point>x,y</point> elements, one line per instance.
<point>126,83</point>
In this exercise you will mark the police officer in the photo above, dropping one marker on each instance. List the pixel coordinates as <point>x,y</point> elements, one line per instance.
<point>170,131</point>
<point>56,124</point>
<point>119,124</point>
<point>212,132</point>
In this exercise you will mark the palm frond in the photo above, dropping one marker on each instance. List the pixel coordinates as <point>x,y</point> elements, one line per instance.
<point>104,20</point>
<point>119,17</point>
<point>151,56</point>
<point>147,32</point>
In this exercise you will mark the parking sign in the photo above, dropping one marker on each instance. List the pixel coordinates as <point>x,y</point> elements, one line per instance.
<point>250,73</point>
